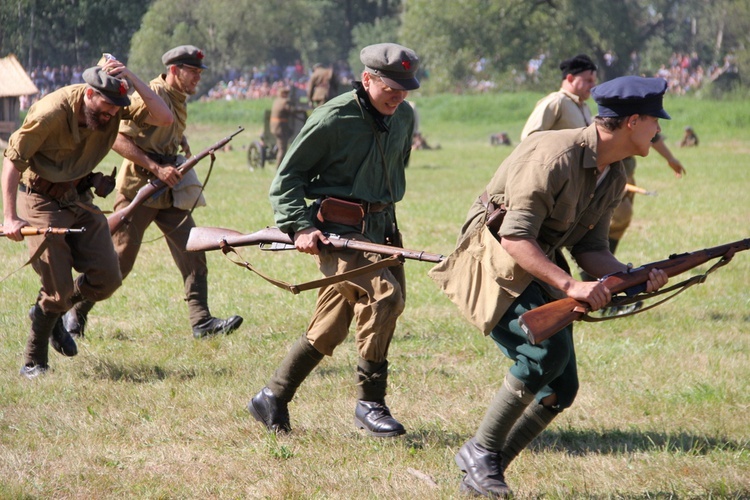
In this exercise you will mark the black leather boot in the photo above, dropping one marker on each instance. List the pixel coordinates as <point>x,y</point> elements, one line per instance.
<point>371,413</point>
<point>216,326</point>
<point>484,473</point>
<point>376,419</point>
<point>269,406</point>
<point>59,338</point>
<point>75,319</point>
<point>270,411</point>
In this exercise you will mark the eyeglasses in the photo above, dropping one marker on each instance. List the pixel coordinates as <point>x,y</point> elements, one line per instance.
<point>386,88</point>
<point>191,69</point>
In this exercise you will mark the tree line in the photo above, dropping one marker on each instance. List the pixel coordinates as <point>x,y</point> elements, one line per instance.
<point>459,42</point>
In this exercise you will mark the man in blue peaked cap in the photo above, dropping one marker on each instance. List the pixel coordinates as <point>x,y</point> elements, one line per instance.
<point>559,188</point>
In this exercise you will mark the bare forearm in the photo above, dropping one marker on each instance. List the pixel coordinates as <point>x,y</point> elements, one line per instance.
<point>599,263</point>
<point>528,254</point>
<point>11,177</point>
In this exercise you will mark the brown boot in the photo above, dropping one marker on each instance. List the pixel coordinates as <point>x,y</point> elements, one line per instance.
<point>36,355</point>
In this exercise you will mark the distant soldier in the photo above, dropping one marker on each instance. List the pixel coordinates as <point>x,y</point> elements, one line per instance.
<point>323,85</point>
<point>689,139</point>
<point>282,116</point>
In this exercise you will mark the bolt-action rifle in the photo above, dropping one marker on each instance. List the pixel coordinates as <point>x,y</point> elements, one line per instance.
<point>542,322</point>
<point>32,231</point>
<point>272,238</point>
<point>156,186</point>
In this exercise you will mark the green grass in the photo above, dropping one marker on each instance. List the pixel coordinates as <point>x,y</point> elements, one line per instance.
<point>144,411</point>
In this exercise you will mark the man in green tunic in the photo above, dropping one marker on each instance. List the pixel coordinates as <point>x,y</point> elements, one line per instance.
<point>350,157</point>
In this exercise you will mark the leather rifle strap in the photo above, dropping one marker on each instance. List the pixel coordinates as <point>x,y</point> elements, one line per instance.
<point>392,261</point>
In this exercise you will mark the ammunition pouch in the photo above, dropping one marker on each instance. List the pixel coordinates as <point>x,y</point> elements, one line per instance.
<point>68,191</point>
<point>495,214</point>
<point>338,211</point>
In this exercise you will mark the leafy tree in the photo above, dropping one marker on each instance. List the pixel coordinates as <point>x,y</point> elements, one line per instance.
<point>71,32</point>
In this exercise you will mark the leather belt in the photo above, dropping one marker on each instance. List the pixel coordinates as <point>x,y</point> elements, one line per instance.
<point>373,208</point>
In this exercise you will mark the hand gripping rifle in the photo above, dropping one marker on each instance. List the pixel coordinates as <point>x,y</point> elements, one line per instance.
<point>542,322</point>
<point>156,186</point>
<point>272,238</point>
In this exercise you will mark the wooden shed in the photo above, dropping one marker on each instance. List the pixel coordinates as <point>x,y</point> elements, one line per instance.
<point>14,83</point>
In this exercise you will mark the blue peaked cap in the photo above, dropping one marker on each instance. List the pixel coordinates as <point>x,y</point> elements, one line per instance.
<point>630,95</point>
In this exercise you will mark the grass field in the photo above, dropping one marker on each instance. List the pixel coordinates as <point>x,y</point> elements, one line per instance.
<point>145,411</point>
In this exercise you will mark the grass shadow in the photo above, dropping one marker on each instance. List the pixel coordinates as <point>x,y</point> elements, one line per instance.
<point>613,441</point>
<point>140,373</point>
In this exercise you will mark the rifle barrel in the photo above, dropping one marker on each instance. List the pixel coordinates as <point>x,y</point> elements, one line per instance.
<point>32,231</point>
<point>153,187</point>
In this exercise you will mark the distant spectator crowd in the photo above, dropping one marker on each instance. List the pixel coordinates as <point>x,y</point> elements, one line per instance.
<point>265,81</point>
<point>683,72</point>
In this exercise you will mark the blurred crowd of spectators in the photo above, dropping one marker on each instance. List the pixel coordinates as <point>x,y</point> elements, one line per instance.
<point>684,73</point>
<point>264,81</point>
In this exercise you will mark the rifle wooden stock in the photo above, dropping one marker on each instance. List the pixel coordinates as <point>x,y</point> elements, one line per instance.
<point>213,238</point>
<point>541,323</point>
<point>32,231</point>
<point>156,186</point>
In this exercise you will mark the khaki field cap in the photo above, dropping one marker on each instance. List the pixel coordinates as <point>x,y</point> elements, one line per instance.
<point>112,89</point>
<point>395,64</point>
<point>188,55</point>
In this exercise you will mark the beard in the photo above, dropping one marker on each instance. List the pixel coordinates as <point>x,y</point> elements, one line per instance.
<point>96,120</point>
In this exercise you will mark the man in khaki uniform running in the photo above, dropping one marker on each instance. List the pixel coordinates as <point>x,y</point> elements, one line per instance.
<point>47,170</point>
<point>152,152</point>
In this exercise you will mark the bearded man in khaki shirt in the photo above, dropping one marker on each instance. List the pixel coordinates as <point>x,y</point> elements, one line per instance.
<point>152,152</point>
<point>47,170</point>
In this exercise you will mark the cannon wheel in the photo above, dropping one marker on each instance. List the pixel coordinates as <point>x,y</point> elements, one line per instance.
<point>256,155</point>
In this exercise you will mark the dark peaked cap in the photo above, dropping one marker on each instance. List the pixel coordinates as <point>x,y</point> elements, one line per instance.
<point>630,95</point>
<point>112,89</point>
<point>577,64</point>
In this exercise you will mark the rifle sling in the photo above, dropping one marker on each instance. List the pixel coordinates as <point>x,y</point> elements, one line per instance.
<point>680,287</point>
<point>393,260</point>
<point>37,254</point>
